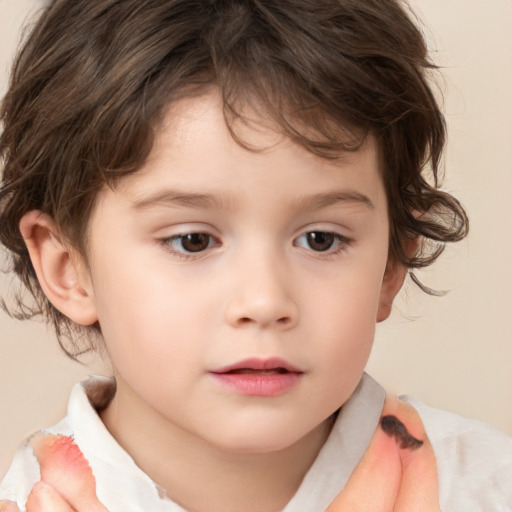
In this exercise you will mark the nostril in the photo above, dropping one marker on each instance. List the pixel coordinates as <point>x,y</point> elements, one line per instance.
<point>243,321</point>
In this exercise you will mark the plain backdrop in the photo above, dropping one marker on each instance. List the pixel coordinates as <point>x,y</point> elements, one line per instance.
<point>453,352</point>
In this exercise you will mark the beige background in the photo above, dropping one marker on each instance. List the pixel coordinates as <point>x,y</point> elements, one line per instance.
<point>453,352</point>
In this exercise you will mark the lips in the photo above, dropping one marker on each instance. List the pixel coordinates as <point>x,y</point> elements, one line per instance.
<point>273,364</point>
<point>259,377</point>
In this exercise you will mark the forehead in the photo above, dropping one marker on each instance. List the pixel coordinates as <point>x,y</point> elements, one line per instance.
<point>197,151</point>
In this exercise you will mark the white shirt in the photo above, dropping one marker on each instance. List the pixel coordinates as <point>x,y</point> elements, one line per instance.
<point>474,460</point>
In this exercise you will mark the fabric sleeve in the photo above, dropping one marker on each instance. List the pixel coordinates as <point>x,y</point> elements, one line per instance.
<point>21,477</point>
<point>474,461</point>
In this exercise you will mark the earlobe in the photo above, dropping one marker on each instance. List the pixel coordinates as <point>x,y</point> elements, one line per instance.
<point>60,270</point>
<point>394,277</point>
<point>393,280</point>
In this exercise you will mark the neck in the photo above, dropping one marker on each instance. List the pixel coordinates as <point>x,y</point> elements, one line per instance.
<point>204,478</point>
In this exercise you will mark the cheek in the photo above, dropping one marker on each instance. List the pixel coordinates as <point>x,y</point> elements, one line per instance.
<point>348,340</point>
<point>347,301</point>
<point>150,319</point>
<point>343,366</point>
<point>346,320</point>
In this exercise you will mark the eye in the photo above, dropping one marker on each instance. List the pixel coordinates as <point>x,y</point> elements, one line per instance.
<point>321,241</point>
<point>191,242</point>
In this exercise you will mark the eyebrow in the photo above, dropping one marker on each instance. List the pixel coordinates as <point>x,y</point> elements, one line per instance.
<point>319,201</point>
<point>178,198</point>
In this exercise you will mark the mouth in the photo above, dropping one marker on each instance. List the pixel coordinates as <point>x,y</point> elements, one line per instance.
<point>259,377</point>
<point>253,371</point>
<point>269,366</point>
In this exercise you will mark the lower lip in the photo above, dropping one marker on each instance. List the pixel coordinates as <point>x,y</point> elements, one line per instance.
<point>255,384</point>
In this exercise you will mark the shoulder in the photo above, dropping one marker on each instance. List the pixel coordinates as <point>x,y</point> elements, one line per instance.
<point>474,461</point>
<point>24,471</point>
<point>21,477</point>
<point>80,453</point>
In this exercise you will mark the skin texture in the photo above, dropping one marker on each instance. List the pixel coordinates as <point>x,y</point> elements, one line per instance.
<point>258,290</point>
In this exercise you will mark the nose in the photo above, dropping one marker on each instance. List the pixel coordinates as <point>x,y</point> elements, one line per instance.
<point>262,295</point>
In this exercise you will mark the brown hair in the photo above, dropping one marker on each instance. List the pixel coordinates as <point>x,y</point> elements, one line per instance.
<point>90,84</point>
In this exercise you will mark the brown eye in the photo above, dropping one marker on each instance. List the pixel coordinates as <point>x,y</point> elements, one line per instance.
<point>320,240</point>
<point>192,242</point>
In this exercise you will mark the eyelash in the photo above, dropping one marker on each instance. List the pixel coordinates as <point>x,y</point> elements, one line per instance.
<point>167,243</point>
<point>339,241</point>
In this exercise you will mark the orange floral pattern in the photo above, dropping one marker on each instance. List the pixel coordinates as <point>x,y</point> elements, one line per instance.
<point>398,473</point>
<point>67,483</point>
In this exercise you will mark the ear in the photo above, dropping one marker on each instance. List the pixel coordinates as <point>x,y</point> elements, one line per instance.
<point>61,271</point>
<point>393,280</point>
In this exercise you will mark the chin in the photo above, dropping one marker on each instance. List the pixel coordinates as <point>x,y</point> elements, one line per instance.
<point>253,447</point>
<point>259,439</point>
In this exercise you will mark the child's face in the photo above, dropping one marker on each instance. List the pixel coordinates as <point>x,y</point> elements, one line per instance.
<point>283,268</point>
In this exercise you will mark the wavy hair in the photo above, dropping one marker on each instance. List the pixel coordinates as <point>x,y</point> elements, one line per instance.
<point>92,80</point>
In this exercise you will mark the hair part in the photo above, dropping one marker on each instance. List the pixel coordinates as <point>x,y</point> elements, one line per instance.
<point>91,83</point>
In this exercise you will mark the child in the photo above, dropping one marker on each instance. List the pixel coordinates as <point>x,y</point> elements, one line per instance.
<point>226,196</point>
